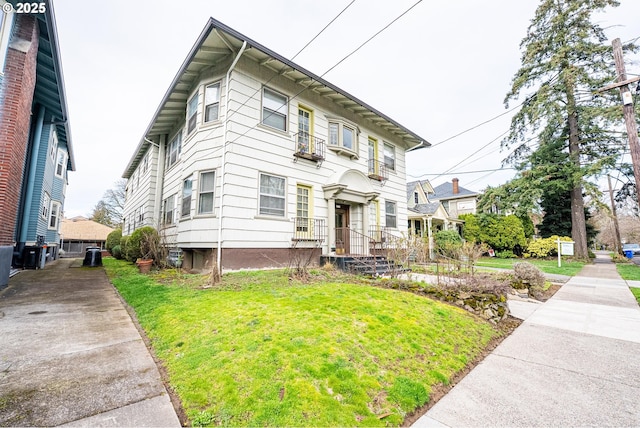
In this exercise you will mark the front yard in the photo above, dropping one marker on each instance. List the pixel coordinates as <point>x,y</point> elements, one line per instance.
<point>261,350</point>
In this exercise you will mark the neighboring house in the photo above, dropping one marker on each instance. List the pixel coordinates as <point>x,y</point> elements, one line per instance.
<point>456,199</point>
<point>426,216</point>
<point>78,233</point>
<point>250,155</point>
<point>34,136</point>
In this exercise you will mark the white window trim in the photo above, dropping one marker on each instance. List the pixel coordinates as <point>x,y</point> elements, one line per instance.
<point>212,191</point>
<point>195,113</point>
<point>387,214</point>
<point>176,137</point>
<point>340,148</point>
<point>46,202</point>
<point>64,163</point>
<point>173,210</point>
<point>184,206</point>
<point>286,106</point>
<point>273,216</point>
<point>54,144</point>
<point>204,103</point>
<point>58,212</point>
<point>395,158</point>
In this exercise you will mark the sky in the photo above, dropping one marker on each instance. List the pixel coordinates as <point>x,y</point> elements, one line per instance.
<point>439,70</point>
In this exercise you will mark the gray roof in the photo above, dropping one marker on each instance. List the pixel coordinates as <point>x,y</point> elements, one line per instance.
<point>429,208</point>
<point>445,191</point>
<point>411,187</point>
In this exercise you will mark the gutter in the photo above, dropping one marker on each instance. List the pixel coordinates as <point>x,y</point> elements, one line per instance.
<point>224,155</point>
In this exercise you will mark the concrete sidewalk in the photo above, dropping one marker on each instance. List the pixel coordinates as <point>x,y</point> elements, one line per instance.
<point>71,355</point>
<point>575,361</point>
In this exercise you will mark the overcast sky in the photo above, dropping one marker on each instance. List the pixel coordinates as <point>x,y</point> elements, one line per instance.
<point>442,68</point>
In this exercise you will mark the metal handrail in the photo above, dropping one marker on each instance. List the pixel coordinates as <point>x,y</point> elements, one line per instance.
<point>309,147</point>
<point>309,229</point>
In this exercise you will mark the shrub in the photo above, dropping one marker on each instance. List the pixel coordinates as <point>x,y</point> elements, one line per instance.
<point>507,254</point>
<point>113,239</point>
<point>545,247</point>
<point>448,242</point>
<point>527,275</point>
<point>116,252</point>
<point>142,243</point>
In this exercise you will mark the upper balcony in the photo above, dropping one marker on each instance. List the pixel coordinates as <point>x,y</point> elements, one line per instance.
<point>378,171</point>
<point>309,147</point>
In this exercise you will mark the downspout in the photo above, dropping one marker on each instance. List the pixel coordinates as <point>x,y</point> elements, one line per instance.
<point>224,155</point>
<point>31,177</point>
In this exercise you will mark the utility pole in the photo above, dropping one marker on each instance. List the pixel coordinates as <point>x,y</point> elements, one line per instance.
<point>615,219</point>
<point>627,108</point>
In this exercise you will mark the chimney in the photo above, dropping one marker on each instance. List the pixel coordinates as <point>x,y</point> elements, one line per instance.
<point>456,189</point>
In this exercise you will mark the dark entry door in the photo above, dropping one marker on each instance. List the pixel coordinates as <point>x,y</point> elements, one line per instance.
<point>342,228</point>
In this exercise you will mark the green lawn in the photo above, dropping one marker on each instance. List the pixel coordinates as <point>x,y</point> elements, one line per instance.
<point>569,268</point>
<point>261,350</point>
<point>629,271</point>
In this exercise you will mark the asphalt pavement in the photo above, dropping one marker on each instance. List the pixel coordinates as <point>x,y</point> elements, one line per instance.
<point>71,355</point>
<point>573,362</point>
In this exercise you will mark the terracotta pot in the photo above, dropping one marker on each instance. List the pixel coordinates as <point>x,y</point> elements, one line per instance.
<point>144,265</point>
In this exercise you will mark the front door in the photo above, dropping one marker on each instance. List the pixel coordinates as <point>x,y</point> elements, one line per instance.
<point>342,229</point>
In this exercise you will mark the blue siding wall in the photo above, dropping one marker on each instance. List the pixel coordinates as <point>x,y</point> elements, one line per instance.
<point>43,183</point>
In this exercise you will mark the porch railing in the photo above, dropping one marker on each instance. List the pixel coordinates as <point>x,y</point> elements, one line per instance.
<point>352,242</point>
<point>382,240</point>
<point>309,229</point>
<point>309,147</point>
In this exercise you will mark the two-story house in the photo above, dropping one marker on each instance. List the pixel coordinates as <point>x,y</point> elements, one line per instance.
<point>250,157</point>
<point>35,139</point>
<point>456,199</point>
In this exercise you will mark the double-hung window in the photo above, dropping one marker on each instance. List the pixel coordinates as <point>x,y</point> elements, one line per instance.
<point>274,109</point>
<point>303,208</point>
<point>62,163</point>
<point>168,208</point>
<point>206,187</point>
<point>173,150</point>
<point>187,190</point>
<point>211,102</point>
<point>54,215</point>
<point>46,201</point>
<point>192,114</point>
<point>272,195</point>
<point>391,219</point>
<point>54,144</point>
<point>390,156</point>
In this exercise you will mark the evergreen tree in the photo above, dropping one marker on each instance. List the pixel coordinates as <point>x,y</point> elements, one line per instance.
<point>564,58</point>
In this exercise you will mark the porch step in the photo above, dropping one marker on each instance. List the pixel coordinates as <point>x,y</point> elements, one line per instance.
<point>363,265</point>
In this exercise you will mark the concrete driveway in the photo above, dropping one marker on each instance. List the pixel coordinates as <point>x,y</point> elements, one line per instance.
<point>70,354</point>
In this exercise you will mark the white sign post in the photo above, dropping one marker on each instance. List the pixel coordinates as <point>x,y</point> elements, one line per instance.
<point>565,248</point>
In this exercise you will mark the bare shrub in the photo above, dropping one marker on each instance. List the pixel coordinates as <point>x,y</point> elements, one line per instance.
<point>528,276</point>
<point>300,259</point>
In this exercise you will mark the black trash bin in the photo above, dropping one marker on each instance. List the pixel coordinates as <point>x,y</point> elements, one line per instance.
<point>31,257</point>
<point>92,257</point>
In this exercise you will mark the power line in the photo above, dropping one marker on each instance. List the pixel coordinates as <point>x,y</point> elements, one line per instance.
<point>339,62</point>
<point>460,172</point>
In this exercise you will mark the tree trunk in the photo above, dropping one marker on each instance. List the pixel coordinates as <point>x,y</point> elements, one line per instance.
<point>578,222</point>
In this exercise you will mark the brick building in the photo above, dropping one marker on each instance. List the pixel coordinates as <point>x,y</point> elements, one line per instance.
<point>35,142</point>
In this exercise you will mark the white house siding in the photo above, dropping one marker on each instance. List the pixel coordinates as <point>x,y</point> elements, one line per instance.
<point>140,193</point>
<point>253,148</point>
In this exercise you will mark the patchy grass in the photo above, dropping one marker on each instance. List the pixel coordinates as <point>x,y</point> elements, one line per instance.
<point>636,293</point>
<point>569,267</point>
<point>629,271</point>
<point>261,350</point>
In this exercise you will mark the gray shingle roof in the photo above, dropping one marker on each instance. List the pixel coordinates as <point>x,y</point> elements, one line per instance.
<point>445,191</point>
<point>429,208</point>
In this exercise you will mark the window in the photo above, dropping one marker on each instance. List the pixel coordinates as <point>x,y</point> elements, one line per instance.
<point>62,163</point>
<point>46,201</point>
<point>390,214</point>
<point>54,144</point>
<point>6,21</point>
<point>173,151</point>
<point>305,124</point>
<point>212,102</point>
<point>192,113</point>
<point>145,162</point>
<point>390,156</point>
<point>141,215</point>
<point>303,208</point>
<point>374,215</point>
<point>416,197</point>
<point>272,195</point>
<point>206,188</point>
<point>274,109</point>
<point>54,215</point>
<point>343,135</point>
<point>186,196</point>
<point>169,206</point>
